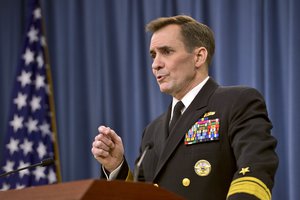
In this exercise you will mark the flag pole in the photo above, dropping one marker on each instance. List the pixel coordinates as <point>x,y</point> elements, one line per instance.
<point>52,105</point>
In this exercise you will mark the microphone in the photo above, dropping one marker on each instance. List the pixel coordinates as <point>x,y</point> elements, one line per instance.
<point>43,163</point>
<point>148,146</point>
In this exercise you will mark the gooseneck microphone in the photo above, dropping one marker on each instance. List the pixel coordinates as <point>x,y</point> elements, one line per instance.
<point>148,146</point>
<point>43,163</point>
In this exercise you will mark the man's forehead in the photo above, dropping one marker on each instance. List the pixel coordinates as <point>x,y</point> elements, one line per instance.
<point>165,37</point>
<point>161,44</point>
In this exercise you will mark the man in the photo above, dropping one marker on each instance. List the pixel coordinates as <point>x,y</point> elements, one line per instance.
<point>220,147</point>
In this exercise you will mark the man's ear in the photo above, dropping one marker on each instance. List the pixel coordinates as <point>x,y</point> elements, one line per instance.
<point>200,56</point>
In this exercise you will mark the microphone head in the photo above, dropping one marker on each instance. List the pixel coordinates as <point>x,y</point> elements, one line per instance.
<point>47,161</point>
<point>149,145</point>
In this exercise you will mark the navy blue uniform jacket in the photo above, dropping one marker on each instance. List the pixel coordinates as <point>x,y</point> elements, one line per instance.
<point>239,163</point>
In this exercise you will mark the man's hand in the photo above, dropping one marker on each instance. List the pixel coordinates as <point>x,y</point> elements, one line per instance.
<point>108,148</point>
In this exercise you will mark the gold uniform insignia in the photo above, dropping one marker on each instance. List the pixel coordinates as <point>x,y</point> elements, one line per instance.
<point>186,182</point>
<point>202,168</point>
<point>209,114</point>
<point>244,170</point>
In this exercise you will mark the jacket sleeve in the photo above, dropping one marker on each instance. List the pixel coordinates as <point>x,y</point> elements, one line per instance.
<point>253,147</point>
<point>123,174</point>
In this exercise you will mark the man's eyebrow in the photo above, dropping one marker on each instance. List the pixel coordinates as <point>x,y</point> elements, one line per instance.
<point>151,51</point>
<point>162,48</point>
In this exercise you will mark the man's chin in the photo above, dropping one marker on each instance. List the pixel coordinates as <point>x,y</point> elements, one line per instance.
<point>165,90</point>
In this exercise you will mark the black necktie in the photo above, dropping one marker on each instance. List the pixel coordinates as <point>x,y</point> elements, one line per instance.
<point>176,114</point>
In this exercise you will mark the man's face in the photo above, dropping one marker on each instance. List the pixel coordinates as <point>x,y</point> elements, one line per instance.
<point>173,66</point>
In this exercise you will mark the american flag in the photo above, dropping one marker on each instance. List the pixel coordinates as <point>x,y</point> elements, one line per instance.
<point>31,127</point>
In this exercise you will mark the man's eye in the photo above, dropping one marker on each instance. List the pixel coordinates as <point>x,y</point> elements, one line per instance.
<point>166,51</point>
<point>152,55</point>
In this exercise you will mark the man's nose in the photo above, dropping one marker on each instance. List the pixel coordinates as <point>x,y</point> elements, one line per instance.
<point>157,63</point>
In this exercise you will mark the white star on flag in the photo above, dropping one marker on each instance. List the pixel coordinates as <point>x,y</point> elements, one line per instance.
<point>9,166</point>
<point>22,173</point>
<point>24,78</point>
<point>32,125</point>
<point>37,13</point>
<point>52,176</point>
<point>41,150</point>
<point>39,81</point>
<point>26,146</point>
<point>40,60</point>
<point>35,103</point>
<point>12,145</point>
<point>28,56</point>
<point>33,35</point>
<point>45,129</point>
<point>20,100</point>
<point>39,173</point>
<point>19,186</point>
<point>5,186</point>
<point>17,123</point>
<point>43,42</point>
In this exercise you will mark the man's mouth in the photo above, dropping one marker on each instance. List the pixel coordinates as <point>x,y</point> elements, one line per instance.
<point>160,77</point>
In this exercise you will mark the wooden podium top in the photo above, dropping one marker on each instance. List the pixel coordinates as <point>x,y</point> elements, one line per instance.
<point>91,189</point>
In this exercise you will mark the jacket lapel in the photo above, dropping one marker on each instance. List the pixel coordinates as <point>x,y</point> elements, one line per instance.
<point>197,108</point>
<point>160,140</point>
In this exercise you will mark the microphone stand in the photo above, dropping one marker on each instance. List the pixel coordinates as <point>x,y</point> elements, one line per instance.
<point>43,163</point>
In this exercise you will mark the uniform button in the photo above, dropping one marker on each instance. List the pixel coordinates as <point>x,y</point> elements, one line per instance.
<point>186,182</point>
<point>156,185</point>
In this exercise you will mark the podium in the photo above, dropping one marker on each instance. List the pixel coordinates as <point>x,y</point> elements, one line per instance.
<point>91,189</point>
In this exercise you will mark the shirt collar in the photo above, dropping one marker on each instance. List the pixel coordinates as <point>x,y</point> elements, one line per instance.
<point>189,97</point>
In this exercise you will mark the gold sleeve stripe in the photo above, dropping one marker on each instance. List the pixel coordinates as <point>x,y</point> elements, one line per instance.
<point>251,186</point>
<point>129,176</point>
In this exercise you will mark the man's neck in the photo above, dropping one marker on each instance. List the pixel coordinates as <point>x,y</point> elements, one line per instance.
<point>190,87</point>
<point>190,96</point>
